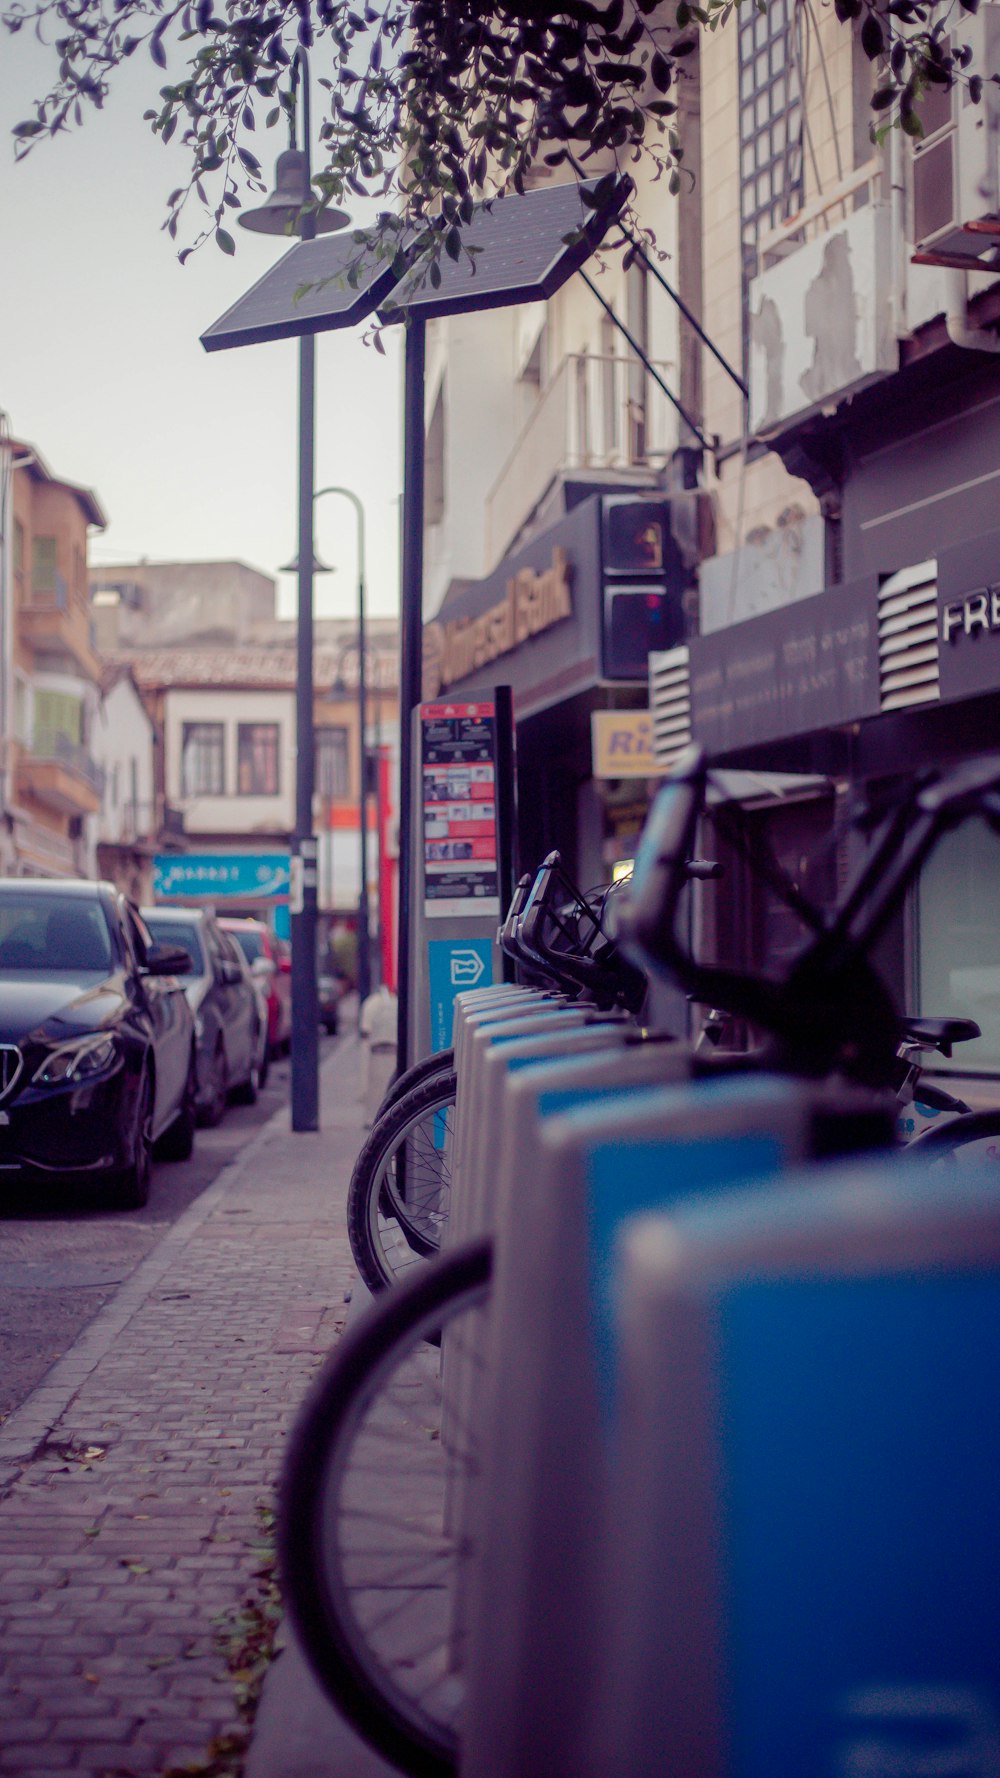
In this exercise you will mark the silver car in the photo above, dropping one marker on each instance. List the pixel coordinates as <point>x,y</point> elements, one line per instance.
<point>230,1029</point>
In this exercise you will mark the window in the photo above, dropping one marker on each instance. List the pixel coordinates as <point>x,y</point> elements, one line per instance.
<point>203,770</point>
<point>958,943</point>
<point>58,722</point>
<point>185,937</point>
<point>332,775</point>
<point>772,184</point>
<point>257,759</point>
<point>44,576</point>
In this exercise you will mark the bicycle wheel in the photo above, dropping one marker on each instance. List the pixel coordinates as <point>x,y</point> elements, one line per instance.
<point>441,1062</point>
<point>400,1192</point>
<point>373,1556</point>
<point>969,1139</point>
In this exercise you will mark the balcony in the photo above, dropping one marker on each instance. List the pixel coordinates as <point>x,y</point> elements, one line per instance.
<point>55,625</point>
<point>60,773</point>
<point>821,315</point>
<point>597,413</point>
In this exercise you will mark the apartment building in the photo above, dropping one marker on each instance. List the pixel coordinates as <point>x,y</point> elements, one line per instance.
<point>225,716</point>
<point>829,542</point>
<point>562,516</point>
<point>50,783</point>
<point>848,627</point>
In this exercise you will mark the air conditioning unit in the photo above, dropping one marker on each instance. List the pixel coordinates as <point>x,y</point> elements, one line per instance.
<point>956,164</point>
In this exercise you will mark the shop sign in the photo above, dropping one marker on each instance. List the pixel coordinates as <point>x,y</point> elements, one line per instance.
<point>198,876</point>
<point>810,665</point>
<point>533,602</point>
<point>622,744</point>
<point>454,965</point>
<point>969,617</point>
<point>459,810</point>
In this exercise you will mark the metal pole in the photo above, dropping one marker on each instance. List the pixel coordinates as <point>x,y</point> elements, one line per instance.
<point>410,648</point>
<point>305,999</point>
<point>364,937</point>
<point>364,932</point>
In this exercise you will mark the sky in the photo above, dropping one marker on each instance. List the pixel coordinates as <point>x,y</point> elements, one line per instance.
<point>193,456</point>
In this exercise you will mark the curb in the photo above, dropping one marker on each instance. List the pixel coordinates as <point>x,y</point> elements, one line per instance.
<point>33,1422</point>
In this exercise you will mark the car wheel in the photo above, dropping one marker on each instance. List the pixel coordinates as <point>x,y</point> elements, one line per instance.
<point>177,1143</point>
<point>132,1190</point>
<point>246,1092</point>
<point>214,1108</point>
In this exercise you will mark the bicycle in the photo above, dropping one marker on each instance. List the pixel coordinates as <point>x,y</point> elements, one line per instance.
<point>399,1194</point>
<point>407,1700</point>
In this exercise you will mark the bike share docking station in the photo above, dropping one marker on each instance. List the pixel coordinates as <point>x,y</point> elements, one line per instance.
<point>695,1445</point>
<point>733,1514</point>
<point>461,857</point>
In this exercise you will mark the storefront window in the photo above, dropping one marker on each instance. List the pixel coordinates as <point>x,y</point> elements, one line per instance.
<point>958,925</point>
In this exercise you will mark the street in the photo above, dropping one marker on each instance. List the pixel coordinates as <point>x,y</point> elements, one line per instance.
<point>61,1257</point>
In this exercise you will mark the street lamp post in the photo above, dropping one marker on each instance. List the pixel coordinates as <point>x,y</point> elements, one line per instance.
<point>364,937</point>
<point>291,209</point>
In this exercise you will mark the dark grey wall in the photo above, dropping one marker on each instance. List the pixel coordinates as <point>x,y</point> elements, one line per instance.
<point>925,471</point>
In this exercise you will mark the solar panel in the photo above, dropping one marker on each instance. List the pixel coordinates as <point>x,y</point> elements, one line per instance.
<point>523,257</point>
<point>272,310</point>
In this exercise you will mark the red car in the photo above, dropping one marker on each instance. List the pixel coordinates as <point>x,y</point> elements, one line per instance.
<point>268,960</point>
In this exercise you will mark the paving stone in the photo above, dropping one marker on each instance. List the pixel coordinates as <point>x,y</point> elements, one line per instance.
<point>183,1379</point>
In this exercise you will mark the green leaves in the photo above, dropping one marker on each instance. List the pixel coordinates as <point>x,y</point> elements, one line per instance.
<point>225,241</point>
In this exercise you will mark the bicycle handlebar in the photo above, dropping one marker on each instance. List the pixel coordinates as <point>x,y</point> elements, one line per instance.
<point>832,1008</point>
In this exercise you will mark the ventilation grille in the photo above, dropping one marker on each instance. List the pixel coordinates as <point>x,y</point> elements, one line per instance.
<point>670,704</point>
<point>908,638</point>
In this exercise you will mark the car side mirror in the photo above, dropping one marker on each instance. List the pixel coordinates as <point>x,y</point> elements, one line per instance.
<point>262,966</point>
<point>167,960</point>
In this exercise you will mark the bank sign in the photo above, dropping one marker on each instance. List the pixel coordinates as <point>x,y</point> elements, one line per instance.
<point>211,876</point>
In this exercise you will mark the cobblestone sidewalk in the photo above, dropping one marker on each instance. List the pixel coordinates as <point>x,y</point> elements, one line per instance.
<point>136,1481</point>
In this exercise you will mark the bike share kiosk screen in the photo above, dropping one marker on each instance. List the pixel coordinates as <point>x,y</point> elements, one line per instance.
<point>457,907</point>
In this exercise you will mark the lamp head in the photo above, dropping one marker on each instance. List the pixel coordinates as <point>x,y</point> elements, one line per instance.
<point>319,567</point>
<point>281,212</point>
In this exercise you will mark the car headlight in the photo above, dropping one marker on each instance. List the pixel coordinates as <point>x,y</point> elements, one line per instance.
<point>77,1061</point>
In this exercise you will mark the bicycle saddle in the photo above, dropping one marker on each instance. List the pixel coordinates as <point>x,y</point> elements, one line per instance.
<point>939,1034</point>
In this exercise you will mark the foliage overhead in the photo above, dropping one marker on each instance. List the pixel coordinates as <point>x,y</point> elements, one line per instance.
<point>429,105</point>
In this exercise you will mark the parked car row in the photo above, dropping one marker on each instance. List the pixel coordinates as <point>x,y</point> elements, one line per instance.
<point>123,1029</point>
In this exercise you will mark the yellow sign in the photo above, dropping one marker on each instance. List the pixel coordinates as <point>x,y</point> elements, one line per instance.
<point>533,602</point>
<point>622,744</point>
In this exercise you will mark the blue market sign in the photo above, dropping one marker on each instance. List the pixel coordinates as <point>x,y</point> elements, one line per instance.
<point>207,875</point>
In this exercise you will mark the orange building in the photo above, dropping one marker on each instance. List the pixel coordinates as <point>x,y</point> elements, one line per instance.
<point>49,781</point>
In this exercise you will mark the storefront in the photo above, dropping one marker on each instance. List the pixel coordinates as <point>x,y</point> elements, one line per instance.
<point>568,622</point>
<point>855,688</point>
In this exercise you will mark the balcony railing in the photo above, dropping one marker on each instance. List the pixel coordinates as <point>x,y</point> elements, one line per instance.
<point>47,595</point>
<point>596,413</point>
<point>54,745</point>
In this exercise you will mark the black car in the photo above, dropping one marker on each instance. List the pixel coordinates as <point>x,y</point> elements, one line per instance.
<point>96,1039</point>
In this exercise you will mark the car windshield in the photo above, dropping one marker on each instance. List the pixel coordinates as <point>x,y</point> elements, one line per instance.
<point>53,932</point>
<point>249,941</point>
<point>181,933</point>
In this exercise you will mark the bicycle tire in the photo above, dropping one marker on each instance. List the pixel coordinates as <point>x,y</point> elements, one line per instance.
<point>399,1196</point>
<point>441,1062</point>
<point>369,1566</point>
<point>957,1133</point>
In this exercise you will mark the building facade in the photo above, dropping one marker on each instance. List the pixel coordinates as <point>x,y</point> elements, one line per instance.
<point>828,540</point>
<point>51,785</point>
<point>847,632</point>
<point>225,717</point>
